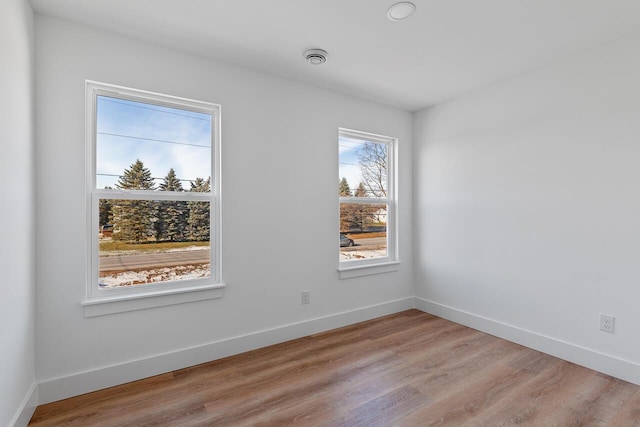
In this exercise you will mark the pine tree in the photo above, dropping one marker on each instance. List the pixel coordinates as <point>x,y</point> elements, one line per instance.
<point>343,188</point>
<point>171,222</point>
<point>104,210</point>
<point>133,218</point>
<point>199,212</point>
<point>136,177</point>
<point>171,182</point>
<point>360,191</point>
<point>346,209</point>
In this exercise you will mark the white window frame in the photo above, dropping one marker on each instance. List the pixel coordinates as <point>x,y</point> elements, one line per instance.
<point>113,300</point>
<point>355,268</point>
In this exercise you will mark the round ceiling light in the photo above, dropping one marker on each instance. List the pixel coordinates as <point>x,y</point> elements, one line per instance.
<point>316,56</point>
<point>400,11</point>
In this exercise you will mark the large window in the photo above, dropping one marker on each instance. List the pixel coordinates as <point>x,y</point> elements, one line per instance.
<point>367,200</point>
<point>153,193</point>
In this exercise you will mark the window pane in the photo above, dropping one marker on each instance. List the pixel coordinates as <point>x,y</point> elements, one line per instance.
<point>363,231</point>
<point>138,144</point>
<point>362,168</point>
<point>153,241</point>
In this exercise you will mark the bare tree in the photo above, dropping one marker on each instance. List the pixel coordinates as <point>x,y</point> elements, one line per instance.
<point>373,165</point>
<point>361,215</point>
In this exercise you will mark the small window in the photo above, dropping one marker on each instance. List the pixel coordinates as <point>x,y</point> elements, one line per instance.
<point>153,192</point>
<point>366,195</point>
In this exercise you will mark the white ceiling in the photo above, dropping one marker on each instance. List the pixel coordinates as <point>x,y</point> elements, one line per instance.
<point>447,48</point>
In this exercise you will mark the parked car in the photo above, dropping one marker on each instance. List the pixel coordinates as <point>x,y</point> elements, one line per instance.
<point>106,230</point>
<point>345,241</point>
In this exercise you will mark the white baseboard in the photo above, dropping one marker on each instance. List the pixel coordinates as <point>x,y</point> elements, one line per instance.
<point>27,408</point>
<point>607,364</point>
<point>84,382</point>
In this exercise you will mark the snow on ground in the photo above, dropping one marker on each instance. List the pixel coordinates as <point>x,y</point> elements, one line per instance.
<point>188,248</point>
<point>164,274</point>
<point>185,272</point>
<point>364,254</point>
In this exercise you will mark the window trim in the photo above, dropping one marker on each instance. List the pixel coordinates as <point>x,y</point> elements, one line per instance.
<point>147,296</point>
<point>355,268</point>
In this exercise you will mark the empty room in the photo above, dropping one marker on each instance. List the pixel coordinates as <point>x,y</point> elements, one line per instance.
<point>320,212</point>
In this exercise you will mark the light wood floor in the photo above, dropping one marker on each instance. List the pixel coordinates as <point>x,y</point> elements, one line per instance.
<point>407,369</point>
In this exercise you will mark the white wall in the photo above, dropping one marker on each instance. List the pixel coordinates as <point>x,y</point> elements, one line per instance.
<point>280,174</point>
<point>527,208</point>
<point>17,213</point>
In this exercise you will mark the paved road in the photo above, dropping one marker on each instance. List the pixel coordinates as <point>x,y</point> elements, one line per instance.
<point>375,241</point>
<point>157,260</point>
<point>135,262</point>
<point>360,244</point>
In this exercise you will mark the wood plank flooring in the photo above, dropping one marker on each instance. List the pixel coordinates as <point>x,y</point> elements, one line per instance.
<point>407,369</point>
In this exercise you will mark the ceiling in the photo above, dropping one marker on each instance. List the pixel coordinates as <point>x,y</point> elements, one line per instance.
<point>447,48</point>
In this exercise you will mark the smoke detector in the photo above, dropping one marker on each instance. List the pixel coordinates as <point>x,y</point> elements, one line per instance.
<point>316,56</point>
<point>401,10</point>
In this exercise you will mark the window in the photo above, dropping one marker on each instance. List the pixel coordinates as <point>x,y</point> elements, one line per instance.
<point>153,195</point>
<point>367,200</point>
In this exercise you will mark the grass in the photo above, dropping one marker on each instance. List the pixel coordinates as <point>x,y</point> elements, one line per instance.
<point>113,245</point>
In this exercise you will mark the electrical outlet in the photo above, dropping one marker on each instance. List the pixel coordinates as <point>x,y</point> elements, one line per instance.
<point>607,323</point>
<point>306,297</point>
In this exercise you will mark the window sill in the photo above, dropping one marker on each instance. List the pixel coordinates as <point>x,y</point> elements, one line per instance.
<point>366,270</point>
<point>123,303</point>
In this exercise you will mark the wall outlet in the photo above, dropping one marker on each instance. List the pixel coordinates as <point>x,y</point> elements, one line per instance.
<point>306,297</point>
<point>607,323</point>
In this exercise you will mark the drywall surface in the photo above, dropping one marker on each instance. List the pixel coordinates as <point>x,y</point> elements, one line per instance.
<point>17,211</point>
<point>280,207</point>
<point>527,203</point>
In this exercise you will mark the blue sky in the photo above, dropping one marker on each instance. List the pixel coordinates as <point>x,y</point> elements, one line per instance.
<point>348,160</point>
<point>161,137</point>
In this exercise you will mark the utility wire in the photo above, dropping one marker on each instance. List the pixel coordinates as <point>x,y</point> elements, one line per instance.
<point>151,139</point>
<point>132,104</point>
